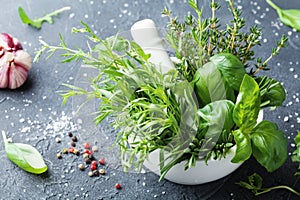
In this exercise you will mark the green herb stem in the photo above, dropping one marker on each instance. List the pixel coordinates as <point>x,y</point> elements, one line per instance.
<point>265,190</point>
<point>4,137</point>
<point>233,33</point>
<point>58,11</point>
<point>273,5</point>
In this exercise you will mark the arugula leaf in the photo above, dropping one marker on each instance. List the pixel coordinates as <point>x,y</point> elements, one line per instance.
<point>269,145</point>
<point>232,69</point>
<point>37,22</point>
<point>247,107</point>
<point>25,156</point>
<point>290,17</point>
<point>271,91</point>
<point>243,146</point>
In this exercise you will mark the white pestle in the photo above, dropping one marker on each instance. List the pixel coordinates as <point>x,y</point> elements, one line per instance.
<point>145,34</point>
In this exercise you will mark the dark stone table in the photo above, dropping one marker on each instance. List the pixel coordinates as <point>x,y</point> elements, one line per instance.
<point>33,113</point>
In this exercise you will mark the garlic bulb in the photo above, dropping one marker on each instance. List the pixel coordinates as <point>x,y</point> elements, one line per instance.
<point>14,62</point>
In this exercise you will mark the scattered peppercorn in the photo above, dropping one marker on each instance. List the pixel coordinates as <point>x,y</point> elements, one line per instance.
<point>88,161</point>
<point>58,140</point>
<point>81,167</point>
<point>95,149</point>
<point>96,173</point>
<point>64,151</point>
<point>86,145</point>
<point>90,174</point>
<point>94,163</point>
<point>118,186</point>
<point>85,155</point>
<point>71,150</point>
<point>102,171</point>
<point>91,157</point>
<point>59,156</point>
<point>76,152</point>
<point>93,167</point>
<point>73,144</point>
<point>102,161</point>
<point>74,139</point>
<point>70,134</point>
<point>86,151</point>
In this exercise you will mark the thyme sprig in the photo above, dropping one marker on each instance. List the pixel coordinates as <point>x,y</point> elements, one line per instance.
<point>201,38</point>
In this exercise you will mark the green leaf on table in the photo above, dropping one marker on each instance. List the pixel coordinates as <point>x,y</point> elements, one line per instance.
<point>243,146</point>
<point>25,156</point>
<point>254,183</point>
<point>247,106</point>
<point>271,91</point>
<point>290,17</point>
<point>231,68</point>
<point>269,145</point>
<point>37,22</point>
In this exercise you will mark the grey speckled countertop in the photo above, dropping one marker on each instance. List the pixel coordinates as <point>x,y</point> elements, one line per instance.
<point>33,113</point>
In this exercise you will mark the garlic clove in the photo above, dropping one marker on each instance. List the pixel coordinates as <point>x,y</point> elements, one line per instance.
<point>6,41</point>
<point>14,62</point>
<point>4,70</point>
<point>17,76</point>
<point>23,59</point>
<point>14,69</point>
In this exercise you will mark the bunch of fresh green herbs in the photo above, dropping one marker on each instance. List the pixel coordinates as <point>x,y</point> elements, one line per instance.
<point>197,111</point>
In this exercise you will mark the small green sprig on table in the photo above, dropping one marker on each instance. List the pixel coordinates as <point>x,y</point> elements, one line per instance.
<point>255,181</point>
<point>150,108</point>
<point>37,22</point>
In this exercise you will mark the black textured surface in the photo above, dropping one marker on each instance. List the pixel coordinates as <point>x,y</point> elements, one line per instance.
<point>33,113</point>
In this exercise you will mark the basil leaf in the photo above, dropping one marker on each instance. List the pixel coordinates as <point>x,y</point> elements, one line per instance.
<point>243,146</point>
<point>271,91</point>
<point>208,83</point>
<point>247,106</point>
<point>269,145</point>
<point>25,156</point>
<point>214,118</point>
<point>290,17</point>
<point>231,68</point>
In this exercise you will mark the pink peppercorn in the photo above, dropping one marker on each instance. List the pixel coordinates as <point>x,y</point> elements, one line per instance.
<point>102,161</point>
<point>86,145</point>
<point>118,186</point>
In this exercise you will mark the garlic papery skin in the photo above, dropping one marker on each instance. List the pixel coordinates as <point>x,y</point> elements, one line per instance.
<point>15,63</point>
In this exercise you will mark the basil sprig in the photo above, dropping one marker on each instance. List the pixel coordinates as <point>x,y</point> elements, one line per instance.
<point>25,156</point>
<point>264,141</point>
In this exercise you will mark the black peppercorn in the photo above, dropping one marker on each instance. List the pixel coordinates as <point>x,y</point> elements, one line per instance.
<point>70,134</point>
<point>96,173</point>
<point>74,139</point>
<point>91,157</point>
<point>73,144</point>
<point>88,161</point>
